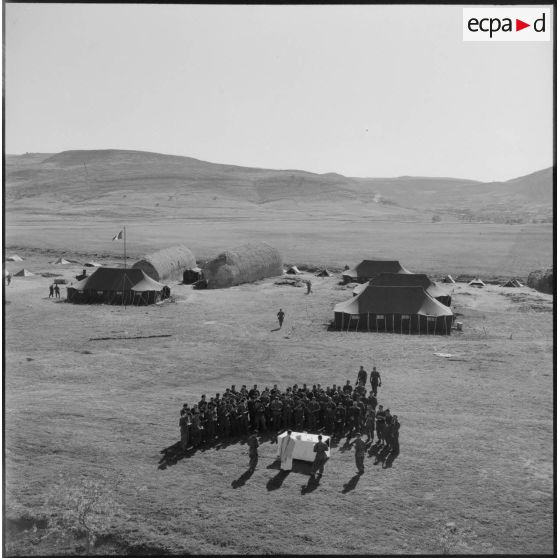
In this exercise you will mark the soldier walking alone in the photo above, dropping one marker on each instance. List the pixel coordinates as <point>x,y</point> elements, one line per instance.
<point>375,381</point>
<point>280,317</point>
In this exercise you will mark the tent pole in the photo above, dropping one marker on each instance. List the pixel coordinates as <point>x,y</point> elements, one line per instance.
<point>368,320</point>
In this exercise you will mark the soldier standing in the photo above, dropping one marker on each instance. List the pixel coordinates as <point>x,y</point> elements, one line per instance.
<point>253,445</point>
<point>276,411</point>
<point>51,291</point>
<point>320,450</point>
<point>360,447</point>
<point>369,425</point>
<point>299,416</point>
<point>380,424</point>
<point>183,423</point>
<point>340,416</point>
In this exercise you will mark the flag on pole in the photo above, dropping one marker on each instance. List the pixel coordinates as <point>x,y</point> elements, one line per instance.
<point>119,236</point>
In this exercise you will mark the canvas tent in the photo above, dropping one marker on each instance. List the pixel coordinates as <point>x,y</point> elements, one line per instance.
<point>394,309</point>
<point>92,264</point>
<point>513,283</point>
<point>167,264</point>
<point>324,273</point>
<point>114,285</point>
<point>476,283</point>
<point>243,264</point>
<point>61,261</point>
<point>448,279</point>
<point>293,270</point>
<point>14,258</point>
<point>368,269</point>
<point>408,280</point>
<point>24,273</point>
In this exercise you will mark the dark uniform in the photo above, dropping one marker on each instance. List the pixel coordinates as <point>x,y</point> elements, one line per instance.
<point>259,411</point>
<point>369,425</point>
<point>340,417</point>
<point>313,411</point>
<point>253,445</point>
<point>319,461</point>
<point>280,317</point>
<point>329,418</point>
<point>395,436</point>
<point>362,376</point>
<point>287,413</point>
<point>380,424</point>
<point>184,434</point>
<point>375,380</point>
<point>276,407</point>
<point>299,415</point>
<point>360,448</point>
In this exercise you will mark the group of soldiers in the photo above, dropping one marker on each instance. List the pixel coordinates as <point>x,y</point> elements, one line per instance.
<point>334,410</point>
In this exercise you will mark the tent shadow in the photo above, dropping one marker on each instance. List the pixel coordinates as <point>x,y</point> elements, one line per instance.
<point>351,485</point>
<point>241,481</point>
<point>277,480</point>
<point>276,329</point>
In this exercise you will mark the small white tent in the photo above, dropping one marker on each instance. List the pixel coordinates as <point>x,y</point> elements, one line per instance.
<point>476,283</point>
<point>14,258</point>
<point>61,261</point>
<point>293,270</point>
<point>24,273</point>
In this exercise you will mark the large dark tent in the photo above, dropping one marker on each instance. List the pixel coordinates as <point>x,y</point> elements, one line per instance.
<point>395,309</point>
<point>368,269</point>
<point>408,280</point>
<point>112,285</point>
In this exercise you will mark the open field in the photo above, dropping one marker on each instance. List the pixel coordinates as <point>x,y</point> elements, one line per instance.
<point>488,250</point>
<point>477,428</point>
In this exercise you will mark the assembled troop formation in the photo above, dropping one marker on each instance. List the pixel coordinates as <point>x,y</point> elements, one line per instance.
<point>337,411</point>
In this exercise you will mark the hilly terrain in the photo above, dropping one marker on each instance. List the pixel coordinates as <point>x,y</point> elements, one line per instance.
<point>77,200</point>
<point>110,176</point>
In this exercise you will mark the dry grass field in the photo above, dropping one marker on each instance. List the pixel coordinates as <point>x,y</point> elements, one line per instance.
<point>476,434</point>
<point>93,393</point>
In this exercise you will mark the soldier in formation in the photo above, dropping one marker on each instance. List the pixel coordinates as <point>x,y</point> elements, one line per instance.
<point>333,410</point>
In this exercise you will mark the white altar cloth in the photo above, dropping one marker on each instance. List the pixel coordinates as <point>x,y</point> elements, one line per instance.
<point>304,445</point>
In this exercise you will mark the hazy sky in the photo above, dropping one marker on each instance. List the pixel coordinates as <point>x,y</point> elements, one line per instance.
<point>359,90</point>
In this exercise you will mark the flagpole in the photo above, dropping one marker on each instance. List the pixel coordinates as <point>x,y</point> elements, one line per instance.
<point>124,247</point>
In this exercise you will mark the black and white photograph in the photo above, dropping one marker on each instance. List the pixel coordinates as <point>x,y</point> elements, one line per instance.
<point>278,279</point>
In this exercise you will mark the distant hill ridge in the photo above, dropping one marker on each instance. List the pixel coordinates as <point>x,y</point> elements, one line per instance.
<point>152,179</point>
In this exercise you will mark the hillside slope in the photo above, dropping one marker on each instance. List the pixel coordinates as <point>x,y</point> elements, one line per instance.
<point>124,182</point>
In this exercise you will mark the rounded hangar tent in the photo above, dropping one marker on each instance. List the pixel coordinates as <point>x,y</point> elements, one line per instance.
<point>243,264</point>
<point>394,309</point>
<point>112,285</point>
<point>169,263</point>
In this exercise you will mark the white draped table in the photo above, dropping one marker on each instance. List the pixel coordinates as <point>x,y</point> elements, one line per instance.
<point>304,445</point>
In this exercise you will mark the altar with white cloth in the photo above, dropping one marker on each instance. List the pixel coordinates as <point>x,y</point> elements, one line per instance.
<point>304,445</point>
